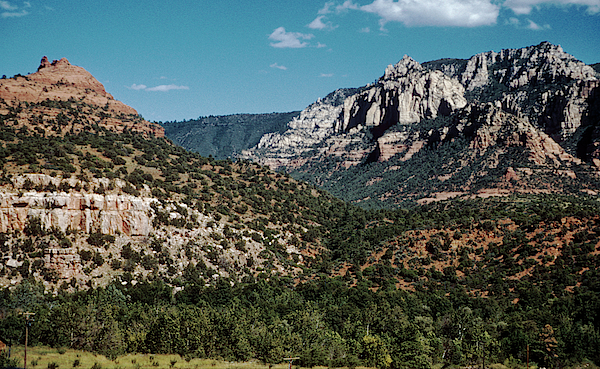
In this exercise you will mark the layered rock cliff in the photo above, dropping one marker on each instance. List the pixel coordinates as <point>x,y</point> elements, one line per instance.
<point>537,100</point>
<point>69,211</point>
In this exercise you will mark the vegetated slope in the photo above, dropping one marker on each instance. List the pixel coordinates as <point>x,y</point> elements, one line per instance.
<point>225,136</point>
<point>517,121</point>
<point>510,281</point>
<point>89,195</point>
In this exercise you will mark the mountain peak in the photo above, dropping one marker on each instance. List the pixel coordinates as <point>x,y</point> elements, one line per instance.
<point>402,68</point>
<point>59,80</point>
<point>45,63</point>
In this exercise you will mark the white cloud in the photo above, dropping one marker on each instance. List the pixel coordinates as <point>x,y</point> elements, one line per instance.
<point>161,88</point>
<point>275,65</point>
<point>320,45</point>
<point>454,13</point>
<point>318,24</point>
<point>22,13</point>
<point>327,8</point>
<point>364,30</point>
<point>348,4</point>
<point>530,24</point>
<point>525,6</point>
<point>165,88</point>
<point>137,87</point>
<point>12,10</point>
<point>7,6</point>
<point>289,39</point>
<point>330,5</point>
<point>326,75</point>
<point>513,21</point>
<point>536,27</point>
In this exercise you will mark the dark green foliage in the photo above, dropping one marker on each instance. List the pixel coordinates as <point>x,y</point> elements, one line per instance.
<point>100,240</point>
<point>34,228</point>
<point>323,321</point>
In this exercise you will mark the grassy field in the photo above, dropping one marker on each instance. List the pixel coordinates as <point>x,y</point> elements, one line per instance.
<point>45,357</point>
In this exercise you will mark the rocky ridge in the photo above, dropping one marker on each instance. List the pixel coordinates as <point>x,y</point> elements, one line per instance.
<point>536,98</point>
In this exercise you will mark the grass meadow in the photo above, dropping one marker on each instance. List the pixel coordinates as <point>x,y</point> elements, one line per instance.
<point>40,357</point>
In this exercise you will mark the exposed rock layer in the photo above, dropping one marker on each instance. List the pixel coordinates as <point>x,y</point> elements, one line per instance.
<point>61,81</point>
<point>85,212</point>
<point>538,98</point>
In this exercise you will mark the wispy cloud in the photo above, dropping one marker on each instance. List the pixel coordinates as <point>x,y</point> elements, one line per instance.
<point>275,65</point>
<point>536,27</point>
<point>22,13</point>
<point>12,11</point>
<point>7,6</point>
<point>364,30</point>
<point>320,45</point>
<point>347,5</point>
<point>454,13</point>
<point>530,24</point>
<point>161,88</point>
<point>137,87</point>
<point>319,24</point>
<point>165,88</point>
<point>285,39</point>
<point>520,7</point>
<point>326,75</point>
<point>327,8</point>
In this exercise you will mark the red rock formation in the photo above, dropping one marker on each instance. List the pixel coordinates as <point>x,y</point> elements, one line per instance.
<point>61,81</point>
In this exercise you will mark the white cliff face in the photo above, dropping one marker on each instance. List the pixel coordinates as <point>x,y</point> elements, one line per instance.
<point>565,108</point>
<point>314,124</point>
<point>515,68</point>
<point>535,98</point>
<point>86,212</point>
<point>312,127</point>
<point>406,94</point>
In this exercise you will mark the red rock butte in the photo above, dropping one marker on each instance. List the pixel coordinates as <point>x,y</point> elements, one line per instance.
<point>59,80</point>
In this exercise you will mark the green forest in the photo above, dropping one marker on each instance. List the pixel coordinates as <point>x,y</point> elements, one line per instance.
<point>322,321</point>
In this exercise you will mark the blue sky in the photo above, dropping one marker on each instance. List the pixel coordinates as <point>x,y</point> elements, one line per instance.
<point>175,60</point>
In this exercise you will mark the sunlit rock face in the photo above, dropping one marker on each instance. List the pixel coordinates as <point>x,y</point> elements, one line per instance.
<point>85,212</point>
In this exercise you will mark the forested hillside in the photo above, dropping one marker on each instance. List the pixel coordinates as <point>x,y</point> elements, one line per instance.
<point>451,283</point>
<point>225,136</point>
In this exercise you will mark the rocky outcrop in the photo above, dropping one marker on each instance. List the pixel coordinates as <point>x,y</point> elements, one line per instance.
<point>406,94</point>
<point>515,68</point>
<point>565,108</point>
<point>490,127</point>
<point>61,81</point>
<point>453,125</point>
<point>86,212</point>
<point>107,214</point>
<point>314,125</point>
